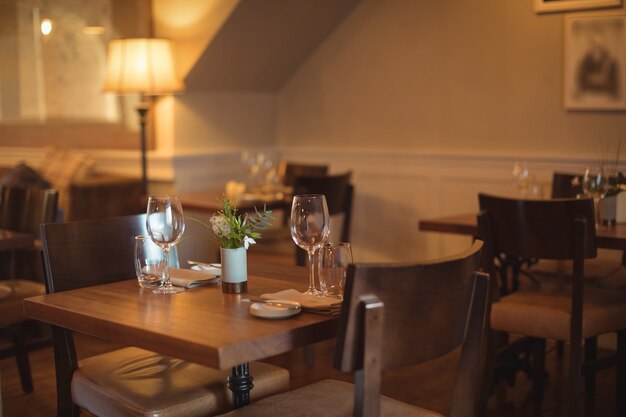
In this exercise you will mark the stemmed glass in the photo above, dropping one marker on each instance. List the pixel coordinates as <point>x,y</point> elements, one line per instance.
<point>165,224</point>
<point>310,228</point>
<point>596,185</point>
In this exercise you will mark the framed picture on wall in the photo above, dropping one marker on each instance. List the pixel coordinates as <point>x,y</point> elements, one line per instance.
<point>546,6</point>
<point>595,62</point>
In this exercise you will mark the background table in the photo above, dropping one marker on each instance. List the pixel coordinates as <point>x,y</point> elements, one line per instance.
<point>610,237</point>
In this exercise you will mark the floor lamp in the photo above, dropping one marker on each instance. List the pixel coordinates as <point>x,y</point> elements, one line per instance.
<point>142,66</point>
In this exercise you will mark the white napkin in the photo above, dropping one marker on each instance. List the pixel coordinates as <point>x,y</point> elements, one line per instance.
<point>213,269</point>
<point>311,303</point>
<point>191,279</point>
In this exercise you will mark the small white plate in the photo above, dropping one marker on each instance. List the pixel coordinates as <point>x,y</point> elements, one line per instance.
<point>271,311</point>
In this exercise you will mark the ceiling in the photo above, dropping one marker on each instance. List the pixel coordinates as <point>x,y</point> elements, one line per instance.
<point>263,42</point>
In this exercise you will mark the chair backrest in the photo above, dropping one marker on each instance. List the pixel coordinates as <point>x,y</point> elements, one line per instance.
<point>515,230</point>
<point>289,171</point>
<point>398,315</point>
<point>339,194</point>
<point>542,229</point>
<point>90,252</point>
<point>566,185</point>
<point>24,209</point>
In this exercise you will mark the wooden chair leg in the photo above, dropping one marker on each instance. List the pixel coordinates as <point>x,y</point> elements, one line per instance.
<point>591,353</point>
<point>538,352</point>
<point>64,367</point>
<point>21,358</point>
<point>620,388</point>
<point>574,378</point>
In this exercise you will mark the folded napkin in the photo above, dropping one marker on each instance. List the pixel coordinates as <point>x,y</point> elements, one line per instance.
<point>213,269</point>
<point>311,303</point>
<point>190,279</point>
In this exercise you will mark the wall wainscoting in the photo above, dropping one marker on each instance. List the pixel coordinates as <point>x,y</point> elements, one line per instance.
<point>393,189</point>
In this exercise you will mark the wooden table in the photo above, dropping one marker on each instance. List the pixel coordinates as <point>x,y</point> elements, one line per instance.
<point>610,237</point>
<point>200,325</point>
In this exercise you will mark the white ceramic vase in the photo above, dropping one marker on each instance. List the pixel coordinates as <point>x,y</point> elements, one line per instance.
<point>234,270</point>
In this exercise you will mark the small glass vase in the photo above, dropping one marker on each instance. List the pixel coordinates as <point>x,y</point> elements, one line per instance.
<point>234,270</point>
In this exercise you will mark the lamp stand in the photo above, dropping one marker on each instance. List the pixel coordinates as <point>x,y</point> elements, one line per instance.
<point>142,110</point>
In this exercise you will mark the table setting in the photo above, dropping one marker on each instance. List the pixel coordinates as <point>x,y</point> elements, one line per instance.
<point>157,267</point>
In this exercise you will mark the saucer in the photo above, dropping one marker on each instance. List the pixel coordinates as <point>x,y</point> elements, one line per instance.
<point>270,311</point>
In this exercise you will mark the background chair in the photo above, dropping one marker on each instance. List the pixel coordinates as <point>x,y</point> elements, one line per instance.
<point>339,196</point>
<point>289,171</point>
<point>398,315</point>
<point>276,243</point>
<point>127,381</point>
<point>561,230</point>
<point>598,272</point>
<point>22,210</point>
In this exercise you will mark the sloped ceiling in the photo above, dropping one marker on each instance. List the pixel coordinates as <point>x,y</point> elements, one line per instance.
<point>263,42</point>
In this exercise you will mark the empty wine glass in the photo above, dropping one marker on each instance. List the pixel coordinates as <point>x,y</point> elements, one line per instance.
<point>165,224</point>
<point>596,185</point>
<point>310,228</point>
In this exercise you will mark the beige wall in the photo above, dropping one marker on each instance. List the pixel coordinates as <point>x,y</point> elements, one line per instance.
<point>445,76</point>
<point>214,120</point>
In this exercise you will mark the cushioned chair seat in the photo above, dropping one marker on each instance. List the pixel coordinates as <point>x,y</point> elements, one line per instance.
<point>136,382</point>
<point>12,294</point>
<point>547,315</point>
<point>328,398</point>
<point>595,269</point>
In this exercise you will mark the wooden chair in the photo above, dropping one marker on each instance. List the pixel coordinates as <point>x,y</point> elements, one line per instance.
<point>22,210</point>
<point>128,381</point>
<point>598,272</point>
<point>566,185</point>
<point>339,196</point>
<point>398,315</point>
<point>289,171</point>
<point>560,229</point>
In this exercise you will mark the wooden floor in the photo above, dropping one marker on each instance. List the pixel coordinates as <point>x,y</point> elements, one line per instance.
<point>428,385</point>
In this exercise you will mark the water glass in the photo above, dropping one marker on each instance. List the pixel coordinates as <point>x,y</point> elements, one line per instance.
<point>334,259</point>
<point>149,263</point>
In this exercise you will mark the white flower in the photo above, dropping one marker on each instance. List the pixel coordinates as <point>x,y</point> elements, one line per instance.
<point>220,226</point>
<point>247,241</point>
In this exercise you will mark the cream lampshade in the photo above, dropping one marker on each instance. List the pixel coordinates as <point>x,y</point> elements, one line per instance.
<point>144,66</point>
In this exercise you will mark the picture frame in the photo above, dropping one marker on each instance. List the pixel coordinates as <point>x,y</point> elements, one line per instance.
<point>595,61</point>
<point>548,6</point>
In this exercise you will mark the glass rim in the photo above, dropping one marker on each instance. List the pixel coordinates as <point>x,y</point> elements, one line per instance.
<point>309,195</point>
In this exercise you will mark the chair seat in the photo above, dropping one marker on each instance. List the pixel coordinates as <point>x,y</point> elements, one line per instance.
<point>137,382</point>
<point>595,269</point>
<point>545,314</point>
<point>12,294</point>
<point>328,398</point>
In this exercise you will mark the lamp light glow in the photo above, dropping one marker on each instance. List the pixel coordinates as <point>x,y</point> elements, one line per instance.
<point>141,65</point>
<point>144,66</point>
<point>46,27</point>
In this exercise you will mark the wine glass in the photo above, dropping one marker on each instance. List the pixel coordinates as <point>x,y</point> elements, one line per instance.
<point>310,228</point>
<point>596,185</point>
<point>165,224</point>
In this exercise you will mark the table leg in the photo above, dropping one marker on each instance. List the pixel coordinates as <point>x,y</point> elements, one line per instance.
<point>240,383</point>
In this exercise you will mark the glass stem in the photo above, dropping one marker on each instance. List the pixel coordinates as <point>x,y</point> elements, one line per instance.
<point>596,203</point>
<point>310,253</point>
<point>166,271</point>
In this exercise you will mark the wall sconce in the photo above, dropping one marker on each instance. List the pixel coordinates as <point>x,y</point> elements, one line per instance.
<point>144,66</point>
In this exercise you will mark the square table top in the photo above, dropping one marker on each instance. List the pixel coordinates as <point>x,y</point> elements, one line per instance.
<point>609,237</point>
<point>200,325</point>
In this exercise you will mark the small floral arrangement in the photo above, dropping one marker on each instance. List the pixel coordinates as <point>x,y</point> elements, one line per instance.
<point>234,230</point>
